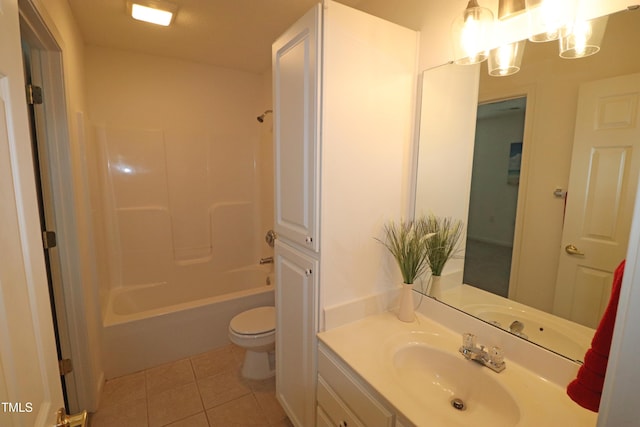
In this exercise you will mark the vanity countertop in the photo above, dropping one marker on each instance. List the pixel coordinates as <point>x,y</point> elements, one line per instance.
<point>368,347</point>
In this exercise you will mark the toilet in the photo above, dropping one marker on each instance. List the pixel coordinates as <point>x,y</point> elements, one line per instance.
<point>255,331</point>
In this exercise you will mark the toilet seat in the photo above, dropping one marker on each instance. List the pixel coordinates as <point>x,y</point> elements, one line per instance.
<point>257,321</point>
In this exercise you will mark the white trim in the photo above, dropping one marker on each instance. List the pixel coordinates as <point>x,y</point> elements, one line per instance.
<point>81,386</point>
<point>622,381</point>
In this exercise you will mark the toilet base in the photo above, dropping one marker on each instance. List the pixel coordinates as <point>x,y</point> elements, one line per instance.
<point>258,365</point>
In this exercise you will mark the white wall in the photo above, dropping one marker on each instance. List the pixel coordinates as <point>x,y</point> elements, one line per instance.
<point>369,85</point>
<point>177,147</point>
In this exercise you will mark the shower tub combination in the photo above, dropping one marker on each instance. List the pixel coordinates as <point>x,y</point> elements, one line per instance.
<point>149,325</point>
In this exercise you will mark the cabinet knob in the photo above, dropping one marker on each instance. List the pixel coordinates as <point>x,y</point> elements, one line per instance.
<point>308,272</point>
<point>308,240</point>
<point>343,424</point>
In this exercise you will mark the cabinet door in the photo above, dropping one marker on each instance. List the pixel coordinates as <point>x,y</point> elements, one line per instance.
<point>296,328</point>
<point>295,63</point>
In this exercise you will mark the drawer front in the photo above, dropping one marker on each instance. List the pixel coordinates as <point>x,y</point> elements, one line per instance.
<point>368,410</point>
<point>322,419</point>
<point>336,410</point>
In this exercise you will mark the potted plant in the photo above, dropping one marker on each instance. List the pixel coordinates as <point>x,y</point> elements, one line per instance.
<point>441,247</point>
<point>406,242</point>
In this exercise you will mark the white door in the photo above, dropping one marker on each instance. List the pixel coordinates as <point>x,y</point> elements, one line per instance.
<point>601,194</point>
<point>295,65</point>
<point>30,389</point>
<point>296,328</point>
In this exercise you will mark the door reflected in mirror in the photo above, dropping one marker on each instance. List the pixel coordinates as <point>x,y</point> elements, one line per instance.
<point>564,195</point>
<point>493,197</point>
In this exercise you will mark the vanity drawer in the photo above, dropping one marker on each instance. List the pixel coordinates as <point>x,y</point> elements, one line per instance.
<point>358,400</point>
<point>322,419</point>
<point>332,407</point>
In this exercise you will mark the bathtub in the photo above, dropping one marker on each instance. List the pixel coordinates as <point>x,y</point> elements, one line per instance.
<point>148,325</point>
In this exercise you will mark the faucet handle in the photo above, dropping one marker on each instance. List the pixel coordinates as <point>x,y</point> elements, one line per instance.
<point>468,340</point>
<point>496,355</point>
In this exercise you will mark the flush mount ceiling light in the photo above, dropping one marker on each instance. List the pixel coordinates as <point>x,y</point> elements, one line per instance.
<point>153,11</point>
<point>472,32</point>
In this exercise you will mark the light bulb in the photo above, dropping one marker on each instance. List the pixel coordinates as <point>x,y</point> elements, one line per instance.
<point>583,38</point>
<point>471,34</point>
<point>506,59</point>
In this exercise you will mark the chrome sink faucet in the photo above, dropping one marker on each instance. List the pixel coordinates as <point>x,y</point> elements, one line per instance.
<point>492,359</point>
<point>516,328</point>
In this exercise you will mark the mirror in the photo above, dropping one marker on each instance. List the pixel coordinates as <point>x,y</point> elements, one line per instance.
<point>559,316</point>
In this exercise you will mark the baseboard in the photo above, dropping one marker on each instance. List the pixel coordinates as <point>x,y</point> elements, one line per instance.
<point>99,387</point>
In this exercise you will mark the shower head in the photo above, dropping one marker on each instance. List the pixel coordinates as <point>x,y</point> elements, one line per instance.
<point>261,116</point>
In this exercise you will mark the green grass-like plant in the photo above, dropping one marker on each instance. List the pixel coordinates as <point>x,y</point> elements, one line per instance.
<point>406,241</point>
<point>444,244</point>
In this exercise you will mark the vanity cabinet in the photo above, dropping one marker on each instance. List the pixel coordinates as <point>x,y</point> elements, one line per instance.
<point>345,400</point>
<point>343,84</point>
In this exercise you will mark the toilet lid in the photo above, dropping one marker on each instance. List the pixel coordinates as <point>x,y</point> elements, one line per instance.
<point>255,321</point>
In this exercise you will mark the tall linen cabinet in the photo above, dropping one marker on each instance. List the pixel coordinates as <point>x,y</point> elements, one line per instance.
<point>343,90</point>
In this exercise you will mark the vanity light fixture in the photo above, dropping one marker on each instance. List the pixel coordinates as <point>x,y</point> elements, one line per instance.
<point>153,11</point>
<point>553,17</point>
<point>505,60</point>
<point>583,38</point>
<point>472,32</point>
<point>510,8</point>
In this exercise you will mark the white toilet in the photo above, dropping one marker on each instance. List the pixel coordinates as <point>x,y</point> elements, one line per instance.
<point>255,331</point>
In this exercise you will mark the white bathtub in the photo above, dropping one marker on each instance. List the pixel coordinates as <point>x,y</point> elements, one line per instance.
<point>145,326</point>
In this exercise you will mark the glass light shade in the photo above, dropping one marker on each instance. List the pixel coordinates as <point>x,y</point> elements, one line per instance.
<point>583,38</point>
<point>505,60</point>
<point>471,32</point>
<point>548,19</point>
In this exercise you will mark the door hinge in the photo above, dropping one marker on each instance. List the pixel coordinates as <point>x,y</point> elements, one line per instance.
<point>34,95</point>
<point>65,366</point>
<point>49,239</point>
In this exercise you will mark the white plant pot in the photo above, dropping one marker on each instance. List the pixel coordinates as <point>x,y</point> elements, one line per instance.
<point>406,309</point>
<point>435,290</point>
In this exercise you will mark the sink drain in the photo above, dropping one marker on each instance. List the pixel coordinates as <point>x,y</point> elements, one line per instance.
<point>458,404</point>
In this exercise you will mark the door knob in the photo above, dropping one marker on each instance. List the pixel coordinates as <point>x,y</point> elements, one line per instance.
<point>572,250</point>
<point>270,238</point>
<point>76,420</point>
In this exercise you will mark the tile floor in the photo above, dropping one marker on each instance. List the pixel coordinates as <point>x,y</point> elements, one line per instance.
<point>205,390</point>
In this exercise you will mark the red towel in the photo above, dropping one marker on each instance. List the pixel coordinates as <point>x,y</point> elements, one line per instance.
<point>586,389</point>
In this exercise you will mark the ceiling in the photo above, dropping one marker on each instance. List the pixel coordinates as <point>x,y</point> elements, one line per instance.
<point>228,33</point>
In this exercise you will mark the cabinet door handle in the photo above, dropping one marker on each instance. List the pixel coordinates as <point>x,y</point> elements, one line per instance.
<point>308,272</point>
<point>308,240</point>
<point>343,424</point>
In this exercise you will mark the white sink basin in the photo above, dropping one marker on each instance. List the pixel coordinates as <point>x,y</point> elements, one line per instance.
<point>443,382</point>
<point>567,338</point>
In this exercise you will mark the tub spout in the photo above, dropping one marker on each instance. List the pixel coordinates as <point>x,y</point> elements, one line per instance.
<point>267,260</point>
